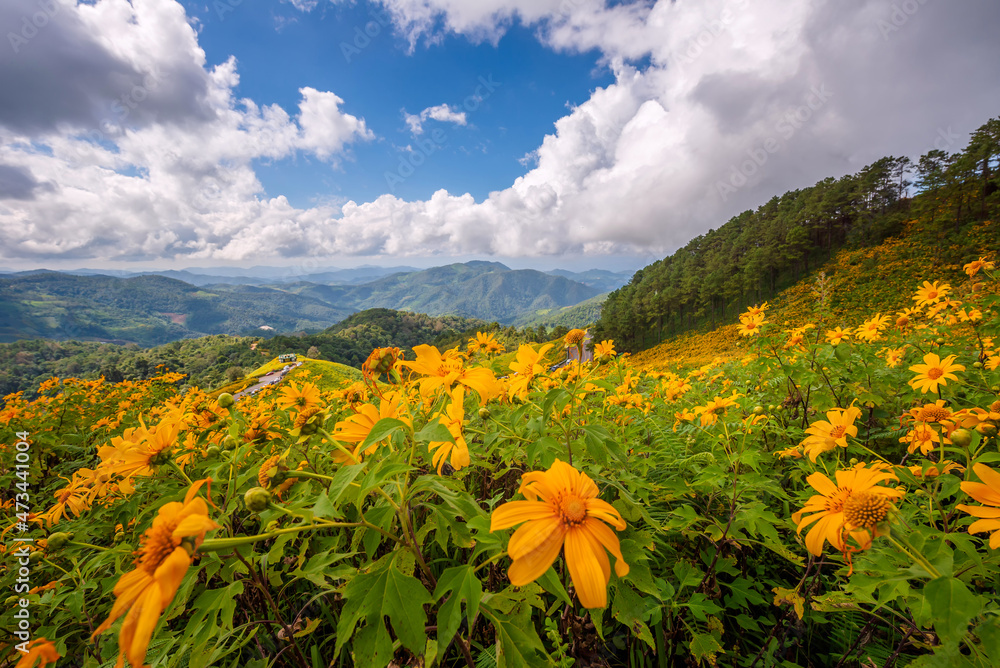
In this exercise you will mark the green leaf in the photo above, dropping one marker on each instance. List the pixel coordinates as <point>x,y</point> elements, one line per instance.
<point>463,584</point>
<point>323,507</point>
<point>630,609</point>
<point>382,429</point>
<point>433,432</point>
<point>516,647</point>
<point>342,479</point>
<point>705,646</point>
<point>383,592</point>
<point>952,606</point>
<point>550,583</point>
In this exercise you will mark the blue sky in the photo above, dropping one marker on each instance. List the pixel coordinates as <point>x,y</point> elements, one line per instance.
<point>175,133</point>
<point>281,49</point>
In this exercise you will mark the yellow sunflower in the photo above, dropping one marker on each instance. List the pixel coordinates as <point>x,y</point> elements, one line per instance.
<point>164,558</point>
<point>751,326</point>
<point>931,293</point>
<point>934,372</point>
<point>40,650</point>
<point>986,492</point>
<point>300,399</point>
<point>452,418</point>
<point>827,434</point>
<point>853,507</point>
<point>836,336</point>
<point>562,509</point>
<point>447,370</point>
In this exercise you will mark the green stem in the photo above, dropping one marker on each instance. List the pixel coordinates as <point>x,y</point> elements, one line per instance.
<point>913,554</point>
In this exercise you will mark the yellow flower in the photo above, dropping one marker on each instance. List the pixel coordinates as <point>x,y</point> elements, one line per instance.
<point>526,366</point>
<point>299,399</point>
<point>893,356</point>
<point>574,337</point>
<point>871,330</point>
<point>710,412</point>
<point>935,469</point>
<point>933,372</point>
<point>835,336</point>
<point>988,493</point>
<point>485,342</point>
<point>163,560</point>
<point>604,349</point>
<point>356,428</point>
<point>750,326</point>
<point>40,650</point>
<point>973,267</point>
<point>854,506</point>
<point>827,434</point>
<point>924,437</point>
<point>453,418</point>
<point>447,370</point>
<point>794,453</point>
<point>563,508</point>
<point>754,311</point>
<point>380,361</point>
<point>930,293</point>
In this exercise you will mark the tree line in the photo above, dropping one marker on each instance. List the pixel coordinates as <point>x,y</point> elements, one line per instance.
<point>758,253</point>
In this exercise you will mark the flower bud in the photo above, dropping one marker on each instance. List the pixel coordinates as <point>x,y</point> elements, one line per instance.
<point>257,499</point>
<point>229,443</point>
<point>484,413</point>
<point>58,540</point>
<point>212,452</point>
<point>226,400</point>
<point>986,429</point>
<point>961,437</point>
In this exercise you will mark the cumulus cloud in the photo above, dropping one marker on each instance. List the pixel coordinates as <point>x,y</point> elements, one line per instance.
<point>441,112</point>
<point>715,107</point>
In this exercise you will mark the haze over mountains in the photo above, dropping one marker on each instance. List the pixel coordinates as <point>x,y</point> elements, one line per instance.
<point>150,308</point>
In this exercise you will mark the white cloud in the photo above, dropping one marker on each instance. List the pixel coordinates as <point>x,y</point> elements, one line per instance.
<point>699,89</point>
<point>441,112</point>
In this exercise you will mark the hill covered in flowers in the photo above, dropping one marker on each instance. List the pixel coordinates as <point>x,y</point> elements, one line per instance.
<point>830,495</point>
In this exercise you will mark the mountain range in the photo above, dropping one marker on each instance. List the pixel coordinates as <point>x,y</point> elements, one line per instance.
<point>155,308</point>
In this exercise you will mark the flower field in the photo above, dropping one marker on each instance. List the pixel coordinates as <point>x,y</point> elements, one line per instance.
<point>827,496</point>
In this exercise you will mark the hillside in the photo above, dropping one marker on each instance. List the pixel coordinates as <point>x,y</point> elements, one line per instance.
<point>210,361</point>
<point>758,253</point>
<point>486,290</point>
<point>859,283</point>
<point>147,310</point>
<point>153,309</point>
<point>580,315</point>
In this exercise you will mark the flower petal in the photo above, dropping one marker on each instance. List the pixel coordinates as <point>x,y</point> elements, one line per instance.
<point>530,566</point>
<point>585,571</point>
<point>515,512</point>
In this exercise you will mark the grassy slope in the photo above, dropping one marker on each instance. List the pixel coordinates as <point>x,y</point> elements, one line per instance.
<point>880,279</point>
<point>327,375</point>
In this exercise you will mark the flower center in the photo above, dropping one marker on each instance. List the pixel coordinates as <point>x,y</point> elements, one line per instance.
<point>572,509</point>
<point>157,546</point>
<point>995,406</point>
<point>865,510</point>
<point>932,414</point>
<point>935,373</point>
<point>838,431</point>
<point>902,321</point>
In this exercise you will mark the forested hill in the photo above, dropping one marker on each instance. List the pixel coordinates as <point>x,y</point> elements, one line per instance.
<point>758,253</point>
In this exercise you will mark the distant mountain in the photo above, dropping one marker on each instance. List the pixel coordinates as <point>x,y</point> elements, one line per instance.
<point>603,280</point>
<point>579,315</point>
<point>486,290</point>
<point>148,310</point>
<point>256,275</point>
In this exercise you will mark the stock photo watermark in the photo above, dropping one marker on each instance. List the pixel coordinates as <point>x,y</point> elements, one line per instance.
<point>427,146</point>
<point>364,34</point>
<point>33,23</point>
<point>788,126</point>
<point>899,15</point>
